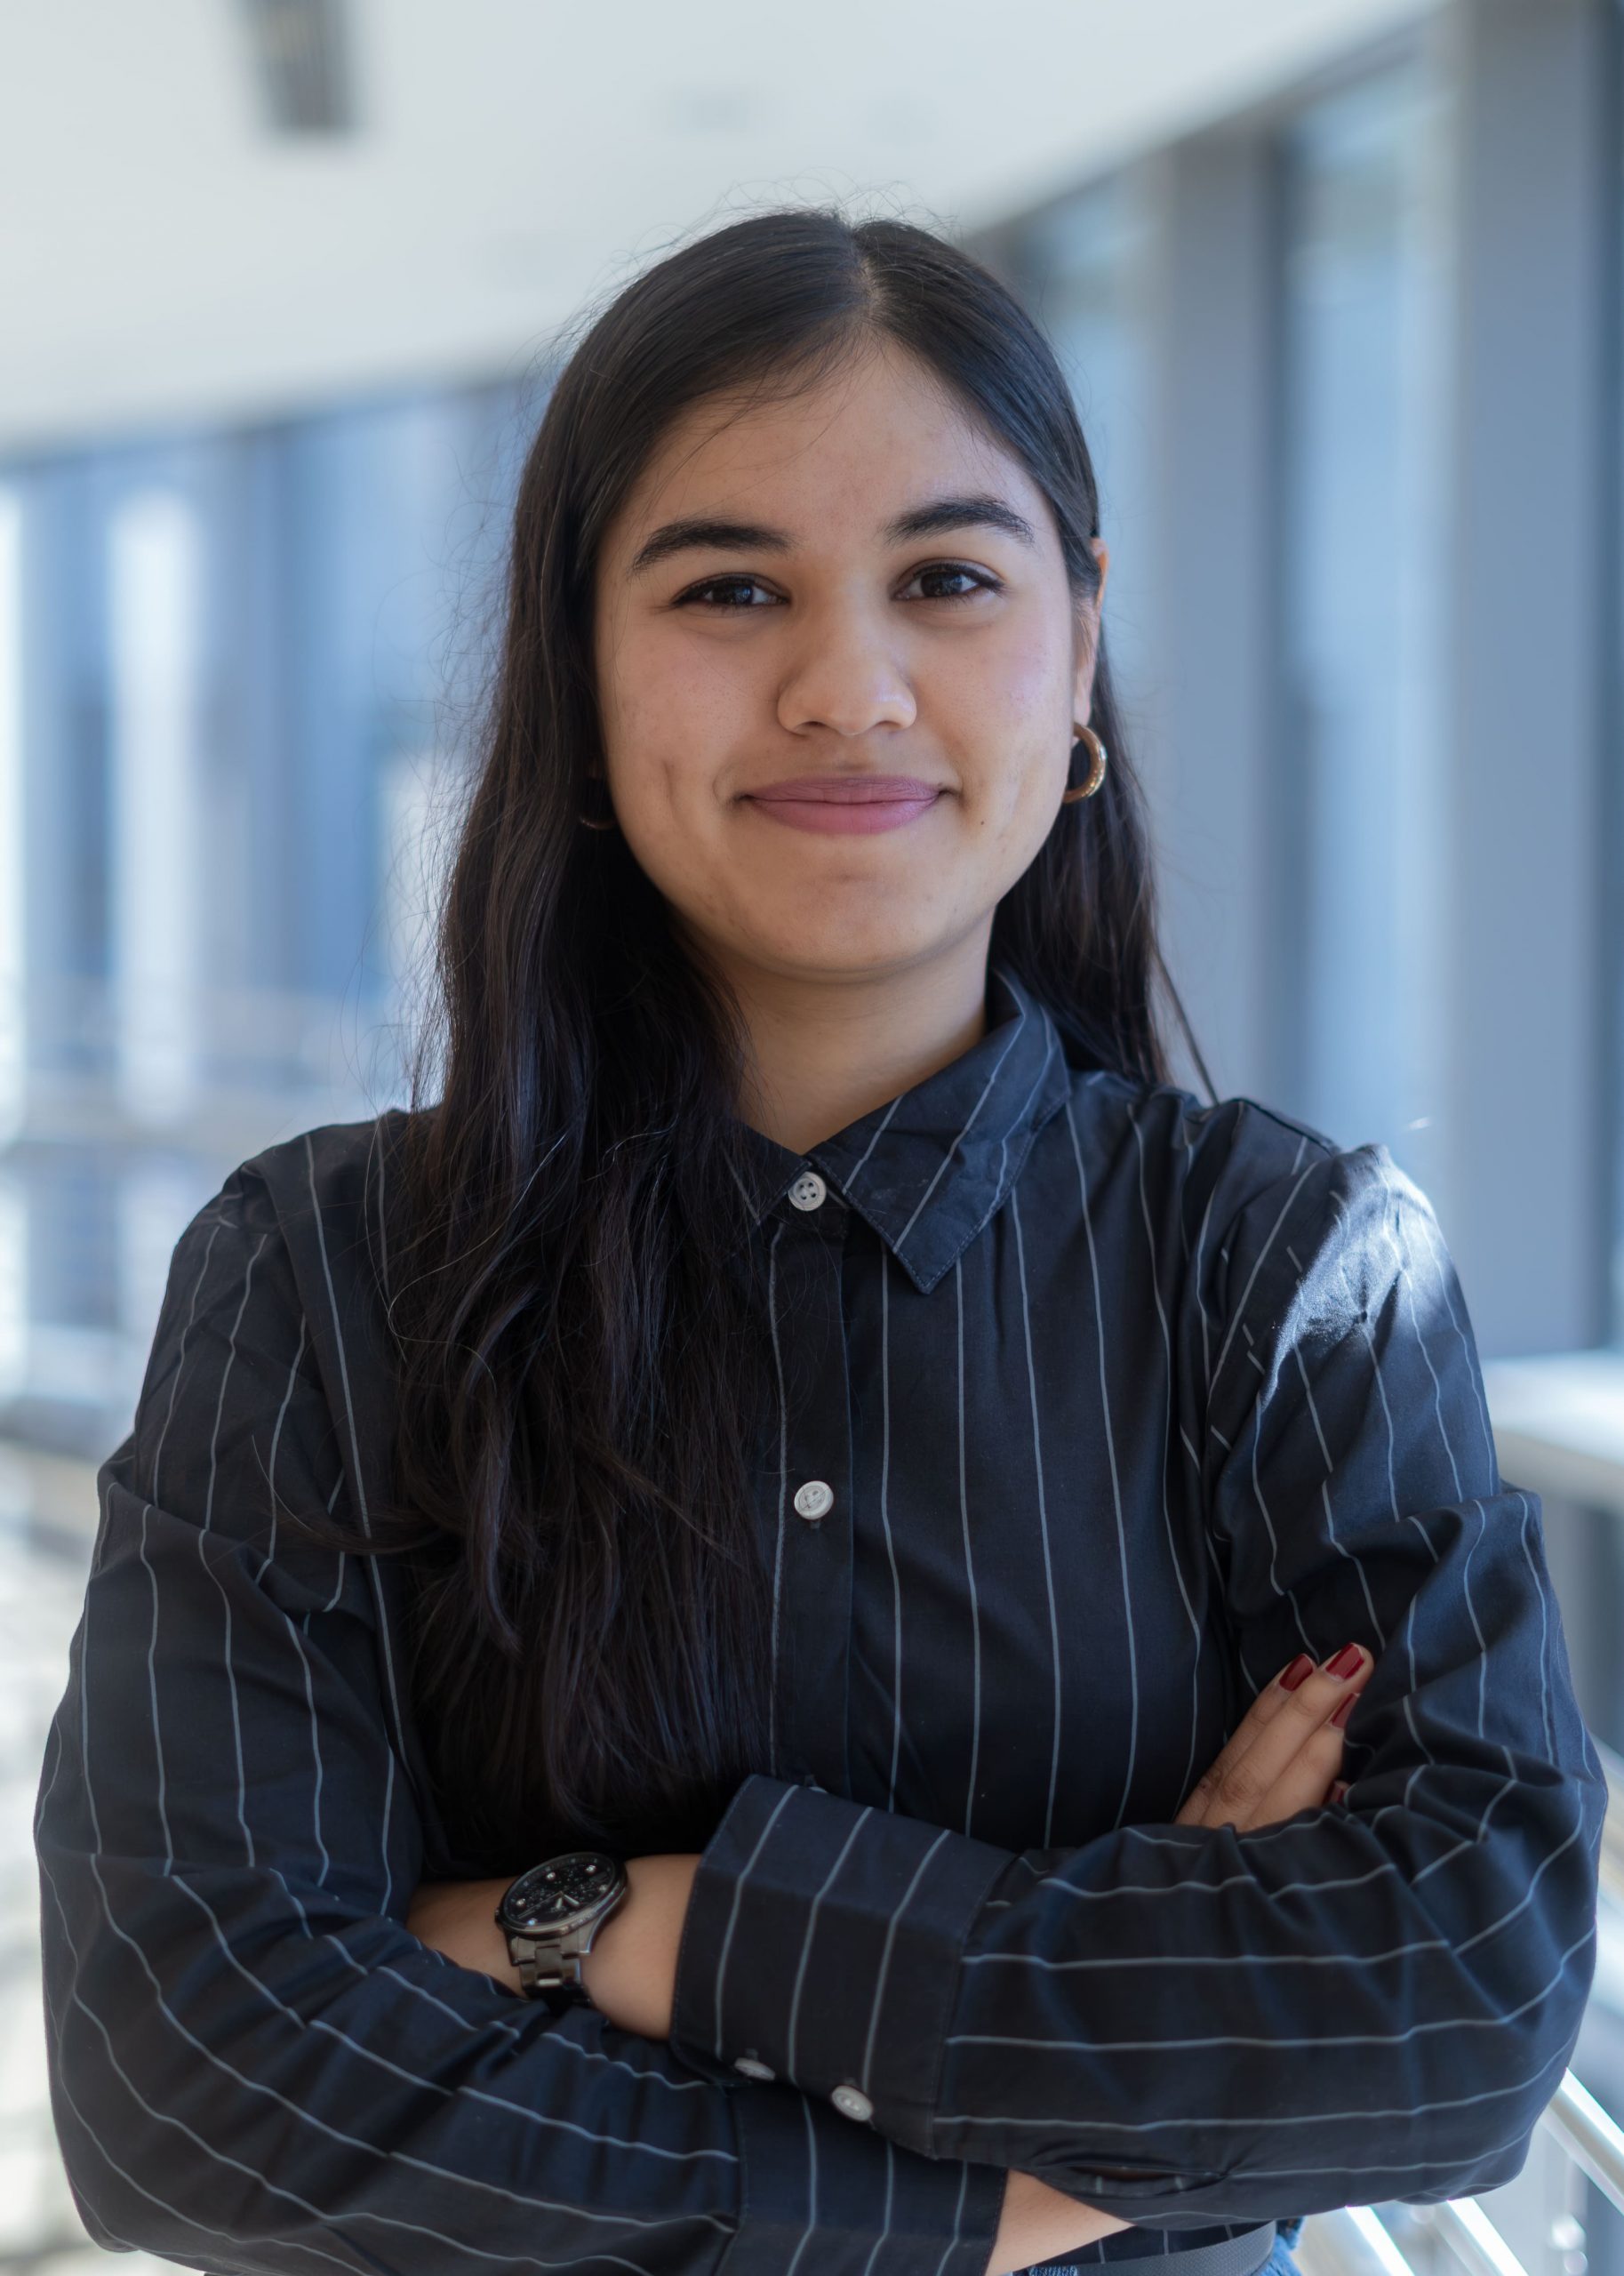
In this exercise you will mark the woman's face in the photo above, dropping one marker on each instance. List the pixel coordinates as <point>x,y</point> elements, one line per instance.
<point>856,591</point>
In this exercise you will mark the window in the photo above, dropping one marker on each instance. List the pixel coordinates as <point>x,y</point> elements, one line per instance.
<point>1358,859</point>
<point>232,666</point>
<point>1081,266</point>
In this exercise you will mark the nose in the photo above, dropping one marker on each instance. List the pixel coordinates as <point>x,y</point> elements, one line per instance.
<point>846,677</point>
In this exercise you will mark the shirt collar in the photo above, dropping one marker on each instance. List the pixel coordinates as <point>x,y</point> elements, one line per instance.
<point>929,1169</point>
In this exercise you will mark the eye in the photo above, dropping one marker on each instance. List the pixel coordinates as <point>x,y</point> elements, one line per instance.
<point>728,593</point>
<point>936,574</point>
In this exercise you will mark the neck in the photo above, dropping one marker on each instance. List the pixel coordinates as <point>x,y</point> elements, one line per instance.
<point>826,1048</point>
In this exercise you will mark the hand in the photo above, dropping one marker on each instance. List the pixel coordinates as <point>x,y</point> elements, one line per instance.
<point>630,1973</point>
<point>1283,1757</point>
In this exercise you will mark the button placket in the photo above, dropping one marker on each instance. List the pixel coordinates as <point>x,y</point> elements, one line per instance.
<point>811,1529</point>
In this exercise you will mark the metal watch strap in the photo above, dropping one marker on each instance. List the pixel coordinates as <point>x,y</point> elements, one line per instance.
<point>549,1973</point>
<point>549,1968</point>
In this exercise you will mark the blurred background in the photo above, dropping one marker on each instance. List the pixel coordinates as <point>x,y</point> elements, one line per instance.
<point>1337,284</point>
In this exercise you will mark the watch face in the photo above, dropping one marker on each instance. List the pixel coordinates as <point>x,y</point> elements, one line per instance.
<point>565,1889</point>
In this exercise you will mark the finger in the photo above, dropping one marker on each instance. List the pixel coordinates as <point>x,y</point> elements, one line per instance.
<point>1258,1757</point>
<point>1268,1702</point>
<point>1300,1691</point>
<point>1294,1714</point>
<point>1305,1785</point>
<point>1288,1687</point>
<point>1305,1781</point>
<point>1262,1711</point>
<point>1311,1780</point>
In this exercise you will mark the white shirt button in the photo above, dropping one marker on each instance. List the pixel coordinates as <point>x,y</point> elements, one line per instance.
<point>812,1499</point>
<point>808,1191</point>
<point>753,2067</point>
<point>852,2102</point>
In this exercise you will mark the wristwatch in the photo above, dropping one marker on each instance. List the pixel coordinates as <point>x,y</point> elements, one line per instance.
<point>549,1917</point>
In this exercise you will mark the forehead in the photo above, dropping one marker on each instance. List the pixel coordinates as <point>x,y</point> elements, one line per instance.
<point>878,430</point>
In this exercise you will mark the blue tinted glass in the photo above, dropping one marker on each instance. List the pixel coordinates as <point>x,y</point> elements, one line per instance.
<point>242,663</point>
<point>1357,778</point>
<point>1084,264</point>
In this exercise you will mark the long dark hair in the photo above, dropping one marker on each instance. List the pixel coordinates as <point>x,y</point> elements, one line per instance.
<point>580,1356</point>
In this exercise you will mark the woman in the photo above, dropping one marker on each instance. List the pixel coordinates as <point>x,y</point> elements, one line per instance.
<point>999,1565</point>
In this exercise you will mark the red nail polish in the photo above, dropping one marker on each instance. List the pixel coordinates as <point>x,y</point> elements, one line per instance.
<point>1341,1718</point>
<point>1345,1660</point>
<point>1300,1669</point>
<point>1339,1789</point>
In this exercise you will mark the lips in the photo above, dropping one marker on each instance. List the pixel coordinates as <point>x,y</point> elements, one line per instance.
<point>844,805</point>
<point>850,790</point>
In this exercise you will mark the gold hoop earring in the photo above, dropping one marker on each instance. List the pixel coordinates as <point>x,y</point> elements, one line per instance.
<point>1096,772</point>
<point>589,823</point>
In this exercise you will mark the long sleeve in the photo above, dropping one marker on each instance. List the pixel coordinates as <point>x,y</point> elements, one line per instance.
<point>253,2064</point>
<point>1184,2025</point>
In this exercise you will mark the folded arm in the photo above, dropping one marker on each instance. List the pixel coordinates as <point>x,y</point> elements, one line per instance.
<point>254,2064</point>
<point>1193,2025</point>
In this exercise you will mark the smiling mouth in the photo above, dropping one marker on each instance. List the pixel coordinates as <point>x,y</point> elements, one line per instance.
<point>848,789</point>
<point>845,805</point>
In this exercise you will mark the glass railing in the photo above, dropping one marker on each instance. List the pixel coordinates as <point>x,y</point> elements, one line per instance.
<point>114,1130</point>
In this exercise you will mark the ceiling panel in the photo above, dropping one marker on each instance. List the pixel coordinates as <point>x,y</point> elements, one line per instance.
<point>165,253</point>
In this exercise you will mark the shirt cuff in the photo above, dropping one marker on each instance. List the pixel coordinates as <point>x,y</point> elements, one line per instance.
<point>821,1947</point>
<point>820,2192</point>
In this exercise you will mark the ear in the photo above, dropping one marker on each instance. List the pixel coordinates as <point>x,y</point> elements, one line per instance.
<point>1088,635</point>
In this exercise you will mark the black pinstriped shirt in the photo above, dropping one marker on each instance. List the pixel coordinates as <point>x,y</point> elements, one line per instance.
<point>1096,1406</point>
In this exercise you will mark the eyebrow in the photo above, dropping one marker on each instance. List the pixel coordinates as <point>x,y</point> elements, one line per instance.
<point>715,533</point>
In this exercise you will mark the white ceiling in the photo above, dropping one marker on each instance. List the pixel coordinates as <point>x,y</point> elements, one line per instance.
<point>163,255</point>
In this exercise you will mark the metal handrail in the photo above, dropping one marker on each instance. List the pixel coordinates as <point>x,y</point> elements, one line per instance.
<point>1590,2137</point>
<point>1361,2243</point>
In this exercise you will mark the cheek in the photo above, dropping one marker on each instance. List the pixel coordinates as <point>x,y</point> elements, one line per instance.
<point>1017,679</point>
<point>1010,717</point>
<point>675,716</point>
<point>1039,676</point>
<point>672,699</point>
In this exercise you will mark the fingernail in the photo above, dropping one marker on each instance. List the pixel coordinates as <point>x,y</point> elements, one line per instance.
<point>1341,1718</point>
<point>1345,1660</point>
<point>1339,1789</point>
<point>1300,1669</point>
